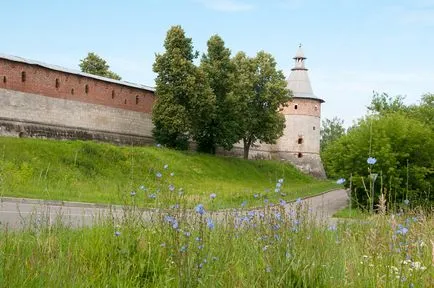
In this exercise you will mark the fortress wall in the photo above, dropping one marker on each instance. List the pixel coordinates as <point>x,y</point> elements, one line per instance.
<point>37,79</point>
<point>40,116</point>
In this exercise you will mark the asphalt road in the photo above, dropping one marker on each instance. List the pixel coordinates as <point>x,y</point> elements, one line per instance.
<point>16,212</point>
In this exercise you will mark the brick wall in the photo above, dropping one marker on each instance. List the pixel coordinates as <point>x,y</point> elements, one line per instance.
<point>40,80</point>
<point>301,106</point>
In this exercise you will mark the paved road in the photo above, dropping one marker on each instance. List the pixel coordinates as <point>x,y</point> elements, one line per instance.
<point>15,212</point>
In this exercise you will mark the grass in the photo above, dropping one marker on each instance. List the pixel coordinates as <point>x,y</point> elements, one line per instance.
<point>353,213</point>
<point>268,248</point>
<point>104,173</point>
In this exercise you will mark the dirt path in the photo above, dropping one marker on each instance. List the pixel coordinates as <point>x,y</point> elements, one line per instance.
<point>16,212</point>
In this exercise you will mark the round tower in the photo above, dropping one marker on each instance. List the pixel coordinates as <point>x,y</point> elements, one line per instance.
<point>300,143</point>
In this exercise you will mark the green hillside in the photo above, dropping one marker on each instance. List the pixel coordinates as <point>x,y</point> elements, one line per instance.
<point>104,173</point>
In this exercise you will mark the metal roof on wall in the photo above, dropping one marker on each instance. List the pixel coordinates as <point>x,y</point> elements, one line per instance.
<point>75,72</point>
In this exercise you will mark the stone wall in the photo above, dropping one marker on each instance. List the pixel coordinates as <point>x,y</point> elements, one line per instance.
<point>26,114</point>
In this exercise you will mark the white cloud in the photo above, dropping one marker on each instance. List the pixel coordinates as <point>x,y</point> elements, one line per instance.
<point>226,5</point>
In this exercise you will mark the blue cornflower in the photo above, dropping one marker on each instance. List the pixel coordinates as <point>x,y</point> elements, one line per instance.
<point>332,228</point>
<point>298,201</point>
<point>280,180</point>
<point>117,233</point>
<point>175,224</point>
<point>199,209</point>
<point>278,185</point>
<point>210,223</point>
<point>244,203</point>
<point>158,175</point>
<point>133,193</point>
<point>401,230</point>
<point>282,202</point>
<point>371,160</point>
<point>406,201</point>
<point>212,196</point>
<point>171,187</point>
<point>277,190</point>
<point>340,181</point>
<point>152,196</point>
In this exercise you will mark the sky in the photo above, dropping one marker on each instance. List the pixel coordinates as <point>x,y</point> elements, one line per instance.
<point>353,47</point>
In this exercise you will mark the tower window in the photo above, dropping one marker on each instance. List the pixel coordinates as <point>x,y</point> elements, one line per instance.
<point>86,88</point>
<point>23,76</point>
<point>57,83</point>
<point>299,155</point>
<point>125,101</point>
<point>296,106</point>
<point>314,127</point>
<point>137,100</point>
<point>113,94</point>
<point>300,140</point>
<point>4,79</point>
<point>316,107</point>
<point>72,91</point>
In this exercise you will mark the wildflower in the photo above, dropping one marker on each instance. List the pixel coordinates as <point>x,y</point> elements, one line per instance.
<point>340,181</point>
<point>265,201</point>
<point>133,193</point>
<point>117,233</point>
<point>332,228</point>
<point>172,174</point>
<point>280,181</point>
<point>277,190</point>
<point>183,248</point>
<point>175,224</point>
<point>244,203</point>
<point>199,209</point>
<point>278,215</point>
<point>255,196</point>
<point>187,234</point>
<point>198,239</point>
<point>265,248</point>
<point>278,185</point>
<point>371,160</point>
<point>212,196</point>
<point>406,201</point>
<point>171,187</point>
<point>200,247</point>
<point>176,206</point>
<point>158,175</point>
<point>282,202</point>
<point>165,166</point>
<point>142,188</point>
<point>163,245</point>
<point>215,258</point>
<point>152,196</point>
<point>268,269</point>
<point>298,201</point>
<point>401,230</point>
<point>158,145</point>
<point>210,223</point>
<point>282,194</point>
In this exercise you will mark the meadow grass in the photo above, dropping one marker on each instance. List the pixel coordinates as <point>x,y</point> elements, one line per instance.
<point>270,247</point>
<point>103,173</point>
<point>354,213</point>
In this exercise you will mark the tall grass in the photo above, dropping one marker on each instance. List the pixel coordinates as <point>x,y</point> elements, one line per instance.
<point>104,173</point>
<point>271,247</point>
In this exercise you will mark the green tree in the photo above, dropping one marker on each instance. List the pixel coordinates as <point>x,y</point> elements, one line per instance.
<point>184,99</point>
<point>400,144</point>
<point>260,90</point>
<point>93,64</point>
<point>221,129</point>
<point>384,103</point>
<point>331,131</point>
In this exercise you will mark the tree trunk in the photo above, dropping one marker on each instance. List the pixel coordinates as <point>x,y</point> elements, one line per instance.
<point>246,143</point>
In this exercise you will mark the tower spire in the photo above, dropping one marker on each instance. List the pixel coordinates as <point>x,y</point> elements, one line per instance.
<point>299,60</point>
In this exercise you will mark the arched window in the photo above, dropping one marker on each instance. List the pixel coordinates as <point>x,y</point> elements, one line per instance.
<point>86,88</point>
<point>57,83</point>
<point>296,106</point>
<point>4,79</point>
<point>72,91</point>
<point>299,155</point>
<point>300,140</point>
<point>137,99</point>
<point>113,94</point>
<point>23,76</point>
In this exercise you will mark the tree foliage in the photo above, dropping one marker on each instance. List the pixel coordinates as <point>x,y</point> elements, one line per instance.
<point>403,145</point>
<point>94,64</point>
<point>222,127</point>
<point>331,131</point>
<point>260,90</point>
<point>184,99</point>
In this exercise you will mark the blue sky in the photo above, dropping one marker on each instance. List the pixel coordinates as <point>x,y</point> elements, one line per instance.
<point>353,47</point>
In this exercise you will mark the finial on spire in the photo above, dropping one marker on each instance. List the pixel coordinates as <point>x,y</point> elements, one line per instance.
<point>299,45</point>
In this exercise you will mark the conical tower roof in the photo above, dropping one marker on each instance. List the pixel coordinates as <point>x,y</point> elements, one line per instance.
<point>298,81</point>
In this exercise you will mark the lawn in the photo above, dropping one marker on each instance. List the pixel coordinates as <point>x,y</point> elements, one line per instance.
<point>104,173</point>
<point>266,248</point>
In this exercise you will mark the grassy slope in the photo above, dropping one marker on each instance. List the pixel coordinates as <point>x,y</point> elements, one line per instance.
<point>95,172</point>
